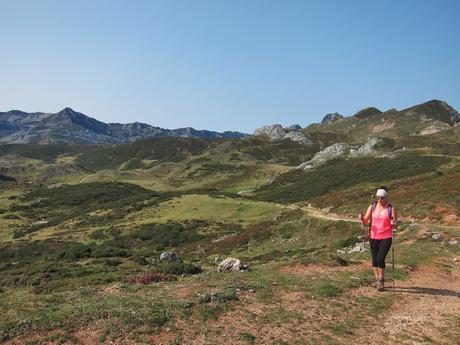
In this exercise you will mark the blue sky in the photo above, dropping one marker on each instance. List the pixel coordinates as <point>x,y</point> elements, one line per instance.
<point>226,65</point>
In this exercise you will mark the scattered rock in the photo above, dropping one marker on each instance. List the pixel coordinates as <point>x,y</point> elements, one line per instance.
<point>453,242</point>
<point>341,261</point>
<point>169,257</point>
<point>187,304</point>
<point>358,248</point>
<point>209,297</point>
<point>436,237</point>
<point>232,265</point>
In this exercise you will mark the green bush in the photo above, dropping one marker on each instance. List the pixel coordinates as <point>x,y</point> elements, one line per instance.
<point>103,251</point>
<point>76,252</point>
<point>177,267</point>
<point>170,234</point>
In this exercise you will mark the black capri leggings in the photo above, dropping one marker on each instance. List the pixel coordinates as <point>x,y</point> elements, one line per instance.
<point>379,250</point>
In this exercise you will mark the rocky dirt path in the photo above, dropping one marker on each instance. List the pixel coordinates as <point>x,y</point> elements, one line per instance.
<point>317,213</point>
<point>427,310</point>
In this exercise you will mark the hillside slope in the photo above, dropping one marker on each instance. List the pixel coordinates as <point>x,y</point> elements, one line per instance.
<point>82,229</point>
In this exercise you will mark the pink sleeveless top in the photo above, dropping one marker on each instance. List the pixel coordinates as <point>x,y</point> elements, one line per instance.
<point>381,226</point>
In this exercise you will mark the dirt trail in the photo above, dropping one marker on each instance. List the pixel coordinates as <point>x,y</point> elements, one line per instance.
<point>317,213</point>
<point>428,310</point>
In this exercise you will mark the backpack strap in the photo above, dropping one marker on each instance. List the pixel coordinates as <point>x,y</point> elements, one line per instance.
<point>373,206</point>
<point>390,210</point>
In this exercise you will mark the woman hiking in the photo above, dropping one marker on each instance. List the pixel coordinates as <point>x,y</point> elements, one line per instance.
<point>382,216</point>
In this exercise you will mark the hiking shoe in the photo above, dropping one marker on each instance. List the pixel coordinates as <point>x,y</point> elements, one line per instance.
<point>380,285</point>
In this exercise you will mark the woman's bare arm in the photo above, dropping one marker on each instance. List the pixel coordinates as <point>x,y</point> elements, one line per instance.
<point>367,216</point>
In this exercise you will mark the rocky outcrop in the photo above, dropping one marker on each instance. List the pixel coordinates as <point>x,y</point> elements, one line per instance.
<point>169,257</point>
<point>342,150</point>
<point>454,115</point>
<point>433,129</point>
<point>369,147</point>
<point>232,265</point>
<point>330,118</point>
<point>277,132</point>
<point>334,151</point>
<point>273,132</point>
<point>299,137</point>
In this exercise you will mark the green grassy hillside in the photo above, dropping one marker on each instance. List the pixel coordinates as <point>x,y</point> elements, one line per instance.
<point>82,229</point>
<point>299,185</point>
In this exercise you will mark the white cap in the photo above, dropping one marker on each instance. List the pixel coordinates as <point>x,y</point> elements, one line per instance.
<point>382,192</point>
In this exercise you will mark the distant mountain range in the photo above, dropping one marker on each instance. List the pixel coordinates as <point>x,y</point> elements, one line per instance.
<point>69,126</point>
<point>18,127</point>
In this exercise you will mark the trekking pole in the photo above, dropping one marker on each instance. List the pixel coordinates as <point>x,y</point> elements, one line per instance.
<point>362,234</point>
<point>393,254</point>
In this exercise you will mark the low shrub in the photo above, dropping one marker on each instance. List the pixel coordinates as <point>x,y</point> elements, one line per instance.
<point>75,252</point>
<point>178,267</point>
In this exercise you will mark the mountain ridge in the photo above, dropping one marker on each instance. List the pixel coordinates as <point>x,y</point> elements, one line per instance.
<point>70,126</point>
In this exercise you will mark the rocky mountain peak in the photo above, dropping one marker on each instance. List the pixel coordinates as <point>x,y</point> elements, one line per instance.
<point>273,132</point>
<point>277,132</point>
<point>71,126</point>
<point>68,110</point>
<point>331,117</point>
<point>367,112</point>
<point>436,110</point>
<point>15,112</point>
<point>295,127</point>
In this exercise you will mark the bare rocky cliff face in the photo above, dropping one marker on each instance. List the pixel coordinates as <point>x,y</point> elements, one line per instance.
<point>19,127</point>
<point>369,148</point>
<point>277,132</point>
